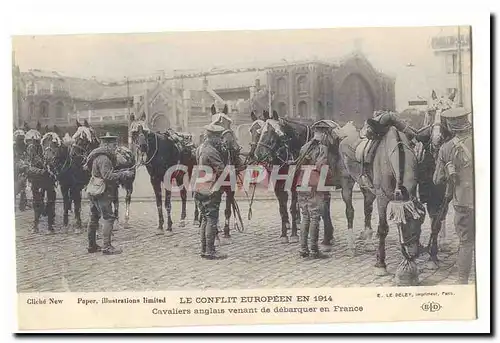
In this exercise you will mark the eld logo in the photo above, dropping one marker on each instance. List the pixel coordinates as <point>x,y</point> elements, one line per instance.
<point>431,306</point>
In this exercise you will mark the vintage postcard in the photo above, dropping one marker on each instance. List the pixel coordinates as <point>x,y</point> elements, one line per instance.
<point>244,177</point>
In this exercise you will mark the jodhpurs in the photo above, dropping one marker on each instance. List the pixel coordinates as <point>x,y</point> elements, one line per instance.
<point>208,205</point>
<point>466,232</point>
<point>311,206</point>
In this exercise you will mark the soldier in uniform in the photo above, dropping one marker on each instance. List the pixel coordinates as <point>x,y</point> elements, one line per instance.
<point>312,203</point>
<point>208,198</point>
<point>102,185</point>
<point>41,180</point>
<point>229,140</point>
<point>455,165</point>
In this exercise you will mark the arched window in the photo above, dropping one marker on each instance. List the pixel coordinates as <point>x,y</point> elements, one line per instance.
<point>60,110</point>
<point>303,113</point>
<point>31,110</point>
<point>302,83</point>
<point>44,109</point>
<point>282,109</point>
<point>281,86</point>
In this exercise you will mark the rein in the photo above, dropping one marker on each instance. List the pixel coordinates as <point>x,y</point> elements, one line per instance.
<point>152,156</point>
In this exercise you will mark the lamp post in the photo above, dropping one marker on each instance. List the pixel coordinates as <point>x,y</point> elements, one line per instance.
<point>459,53</point>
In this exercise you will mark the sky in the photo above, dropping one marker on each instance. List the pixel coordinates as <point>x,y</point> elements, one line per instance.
<point>114,56</point>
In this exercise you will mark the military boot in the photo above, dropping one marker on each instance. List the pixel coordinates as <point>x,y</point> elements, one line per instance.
<point>314,230</point>
<point>92,236</point>
<point>203,239</point>
<point>107,229</point>
<point>304,235</point>
<point>211,232</point>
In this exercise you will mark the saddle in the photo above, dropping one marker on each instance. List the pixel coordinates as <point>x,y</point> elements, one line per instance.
<point>365,150</point>
<point>124,158</point>
<point>183,141</point>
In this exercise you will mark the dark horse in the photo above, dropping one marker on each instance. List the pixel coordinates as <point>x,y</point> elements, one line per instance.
<point>68,166</point>
<point>41,179</point>
<point>279,144</point>
<point>432,136</point>
<point>19,156</point>
<point>160,153</point>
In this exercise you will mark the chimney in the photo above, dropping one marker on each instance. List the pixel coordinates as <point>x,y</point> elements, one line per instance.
<point>205,83</point>
<point>257,83</point>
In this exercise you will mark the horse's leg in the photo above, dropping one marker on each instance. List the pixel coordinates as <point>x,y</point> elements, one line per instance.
<point>43,210</point>
<point>156,183</point>
<point>76,195</point>
<point>22,196</point>
<point>37,208</point>
<point>227,212</point>
<point>347,186</point>
<point>367,233</point>
<point>327,223</point>
<point>129,188</point>
<point>116,205</point>
<point>168,207</point>
<point>298,218</point>
<point>382,231</point>
<point>294,238</point>
<point>51,208</point>
<point>183,193</point>
<point>282,196</point>
<point>197,218</point>
<point>66,205</point>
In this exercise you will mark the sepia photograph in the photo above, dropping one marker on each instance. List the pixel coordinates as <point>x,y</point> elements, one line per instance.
<point>245,161</point>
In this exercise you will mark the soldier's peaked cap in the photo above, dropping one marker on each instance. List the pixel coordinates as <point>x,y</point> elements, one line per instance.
<point>109,137</point>
<point>324,124</point>
<point>457,119</point>
<point>214,128</point>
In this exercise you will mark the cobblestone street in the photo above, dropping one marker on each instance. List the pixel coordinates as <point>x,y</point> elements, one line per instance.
<point>257,259</point>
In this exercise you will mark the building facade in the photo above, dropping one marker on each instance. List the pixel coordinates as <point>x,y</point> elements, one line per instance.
<point>349,91</point>
<point>311,90</point>
<point>454,56</point>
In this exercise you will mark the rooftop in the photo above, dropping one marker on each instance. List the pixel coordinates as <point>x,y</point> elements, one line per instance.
<point>218,78</point>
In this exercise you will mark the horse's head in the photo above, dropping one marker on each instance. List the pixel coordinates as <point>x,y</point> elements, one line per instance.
<point>33,146</point>
<point>347,130</point>
<point>19,135</point>
<point>271,139</point>
<point>220,115</point>
<point>255,130</point>
<point>138,131</point>
<point>84,140</point>
<point>51,144</point>
<point>439,105</point>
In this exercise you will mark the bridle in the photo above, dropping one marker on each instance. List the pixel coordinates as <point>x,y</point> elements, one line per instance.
<point>274,154</point>
<point>140,161</point>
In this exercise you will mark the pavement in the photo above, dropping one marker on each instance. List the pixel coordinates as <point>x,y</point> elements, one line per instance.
<point>256,258</point>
